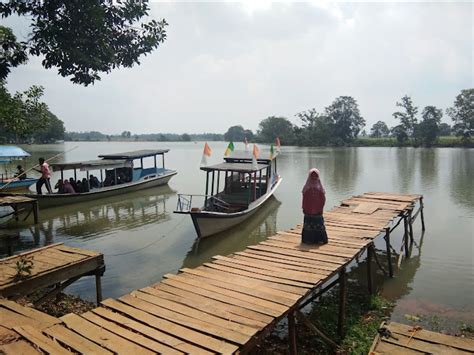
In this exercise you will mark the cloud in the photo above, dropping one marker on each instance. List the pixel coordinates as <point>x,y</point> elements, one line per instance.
<point>234,63</point>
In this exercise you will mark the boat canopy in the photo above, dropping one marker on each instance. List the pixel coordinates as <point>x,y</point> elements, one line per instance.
<point>237,167</point>
<point>10,152</point>
<point>92,165</point>
<point>137,154</point>
<point>247,155</point>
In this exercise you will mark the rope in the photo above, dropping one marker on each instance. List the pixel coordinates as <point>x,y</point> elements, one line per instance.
<point>152,243</point>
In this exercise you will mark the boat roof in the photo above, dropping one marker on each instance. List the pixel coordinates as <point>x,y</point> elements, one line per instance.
<point>92,165</point>
<point>247,155</point>
<point>9,152</point>
<point>137,154</point>
<point>237,167</point>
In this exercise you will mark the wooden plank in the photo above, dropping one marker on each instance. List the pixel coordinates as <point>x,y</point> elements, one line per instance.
<point>27,253</point>
<point>74,341</point>
<point>333,241</point>
<point>11,319</point>
<point>255,303</point>
<point>274,296</point>
<point>391,349</point>
<point>74,250</point>
<point>20,347</point>
<point>30,312</point>
<point>101,336</point>
<point>316,249</point>
<point>154,296</point>
<point>251,274</point>
<point>39,340</point>
<point>7,335</point>
<point>238,282</point>
<point>426,335</point>
<point>150,332</point>
<point>137,308</point>
<point>258,319</point>
<point>129,335</point>
<point>424,346</point>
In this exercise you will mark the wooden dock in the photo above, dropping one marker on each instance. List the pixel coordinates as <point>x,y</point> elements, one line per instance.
<point>228,305</point>
<point>395,338</point>
<point>18,203</point>
<point>54,265</point>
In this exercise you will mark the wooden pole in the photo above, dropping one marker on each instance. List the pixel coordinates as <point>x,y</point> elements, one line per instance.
<point>212,183</point>
<point>421,213</point>
<point>292,333</point>
<point>405,234</point>
<point>36,211</point>
<point>98,287</point>
<point>312,327</point>
<point>369,269</point>
<point>207,188</point>
<point>389,252</point>
<point>342,302</point>
<point>410,224</point>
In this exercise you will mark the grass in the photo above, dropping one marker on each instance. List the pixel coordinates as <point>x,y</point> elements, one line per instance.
<point>443,141</point>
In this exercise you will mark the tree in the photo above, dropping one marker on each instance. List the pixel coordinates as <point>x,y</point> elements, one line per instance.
<point>186,137</point>
<point>272,127</point>
<point>445,129</point>
<point>400,133</point>
<point>238,134</point>
<point>344,112</point>
<point>51,132</point>
<point>81,38</point>
<point>126,134</point>
<point>379,130</point>
<point>407,118</point>
<point>462,114</point>
<point>428,129</point>
<point>316,128</point>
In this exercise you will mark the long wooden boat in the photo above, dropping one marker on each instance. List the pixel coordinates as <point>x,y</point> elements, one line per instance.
<point>8,154</point>
<point>246,188</point>
<point>115,166</point>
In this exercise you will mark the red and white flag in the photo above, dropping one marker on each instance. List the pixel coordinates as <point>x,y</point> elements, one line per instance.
<point>206,154</point>
<point>255,154</point>
<point>277,144</point>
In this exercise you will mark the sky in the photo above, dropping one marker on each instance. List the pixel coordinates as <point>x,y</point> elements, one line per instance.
<point>229,63</point>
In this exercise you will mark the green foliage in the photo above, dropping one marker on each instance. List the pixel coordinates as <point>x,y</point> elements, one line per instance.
<point>427,130</point>
<point>186,137</point>
<point>462,114</point>
<point>316,128</point>
<point>83,38</point>
<point>379,130</point>
<point>346,118</point>
<point>445,129</point>
<point>272,127</point>
<point>23,267</point>
<point>238,134</point>
<point>52,131</point>
<point>12,53</point>
<point>407,119</point>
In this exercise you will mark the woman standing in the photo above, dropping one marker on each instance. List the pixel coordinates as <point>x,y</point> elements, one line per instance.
<point>314,198</point>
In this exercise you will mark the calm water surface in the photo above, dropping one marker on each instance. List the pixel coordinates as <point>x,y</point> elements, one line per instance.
<point>142,239</point>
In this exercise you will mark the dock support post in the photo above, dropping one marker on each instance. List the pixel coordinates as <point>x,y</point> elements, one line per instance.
<point>342,302</point>
<point>410,224</point>
<point>422,206</point>
<point>292,333</point>
<point>405,234</point>
<point>369,268</point>
<point>389,252</point>
<point>98,286</point>
<point>36,212</point>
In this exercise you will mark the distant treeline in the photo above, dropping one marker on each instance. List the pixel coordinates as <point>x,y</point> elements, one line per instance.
<point>150,137</point>
<point>341,124</point>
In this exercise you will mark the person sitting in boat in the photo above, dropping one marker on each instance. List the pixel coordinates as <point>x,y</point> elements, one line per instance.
<point>59,186</point>
<point>68,188</point>
<point>45,177</point>
<point>85,185</point>
<point>79,188</point>
<point>93,182</point>
<point>314,198</point>
<point>73,184</point>
<point>20,173</point>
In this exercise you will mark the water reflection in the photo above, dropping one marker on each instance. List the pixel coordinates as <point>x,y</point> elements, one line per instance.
<point>256,229</point>
<point>406,167</point>
<point>462,177</point>
<point>344,168</point>
<point>429,168</point>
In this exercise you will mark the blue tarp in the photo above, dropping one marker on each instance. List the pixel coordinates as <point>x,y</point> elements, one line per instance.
<point>10,152</point>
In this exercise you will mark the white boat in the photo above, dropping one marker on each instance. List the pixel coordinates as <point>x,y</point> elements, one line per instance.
<point>245,189</point>
<point>9,182</point>
<point>121,176</point>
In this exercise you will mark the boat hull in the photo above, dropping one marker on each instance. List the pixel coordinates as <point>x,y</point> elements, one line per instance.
<point>17,185</point>
<point>211,223</point>
<point>53,200</point>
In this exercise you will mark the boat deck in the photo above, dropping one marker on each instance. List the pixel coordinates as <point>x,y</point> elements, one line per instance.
<point>18,203</point>
<point>229,304</point>
<point>55,264</point>
<point>405,339</point>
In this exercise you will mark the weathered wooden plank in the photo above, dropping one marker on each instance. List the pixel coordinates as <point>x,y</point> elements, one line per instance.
<point>39,340</point>
<point>129,335</point>
<point>75,341</point>
<point>27,253</point>
<point>391,349</point>
<point>316,249</point>
<point>425,346</point>
<point>20,347</point>
<point>147,330</point>
<point>303,255</point>
<point>10,319</point>
<point>259,319</point>
<point>333,241</point>
<point>74,250</point>
<point>30,312</point>
<point>101,336</point>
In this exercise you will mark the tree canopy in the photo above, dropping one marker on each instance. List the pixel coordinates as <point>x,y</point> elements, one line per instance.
<point>80,38</point>
<point>238,134</point>
<point>462,114</point>
<point>428,129</point>
<point>407,119</point>
<point>272,127</point>
<point>346,117</point>
<point>379,129</point>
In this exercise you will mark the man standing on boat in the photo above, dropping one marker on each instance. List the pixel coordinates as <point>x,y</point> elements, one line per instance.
<point>45,177</point>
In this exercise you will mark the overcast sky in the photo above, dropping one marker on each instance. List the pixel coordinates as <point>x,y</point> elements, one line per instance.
<point>237,63</point>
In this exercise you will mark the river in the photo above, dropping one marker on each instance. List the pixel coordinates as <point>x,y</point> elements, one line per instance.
<point>142,239</point>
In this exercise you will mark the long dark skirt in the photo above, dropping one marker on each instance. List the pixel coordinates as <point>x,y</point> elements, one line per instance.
<point>314,231</point>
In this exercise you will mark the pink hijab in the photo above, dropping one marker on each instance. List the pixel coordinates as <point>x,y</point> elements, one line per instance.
<point>314,195</point>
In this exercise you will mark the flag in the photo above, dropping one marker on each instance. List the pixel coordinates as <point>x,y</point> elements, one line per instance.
<point>255,154</point>
<point>271,152</point>
<point>206,154</point>
<point>246,142</point>
<point>230,148</point>
<point>277,143</point>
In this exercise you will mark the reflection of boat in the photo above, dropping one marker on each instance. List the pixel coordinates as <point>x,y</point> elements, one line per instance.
<point>7,155</point>
<point>121,176</point>
<point>258,228</point>
<point>247,186</point>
